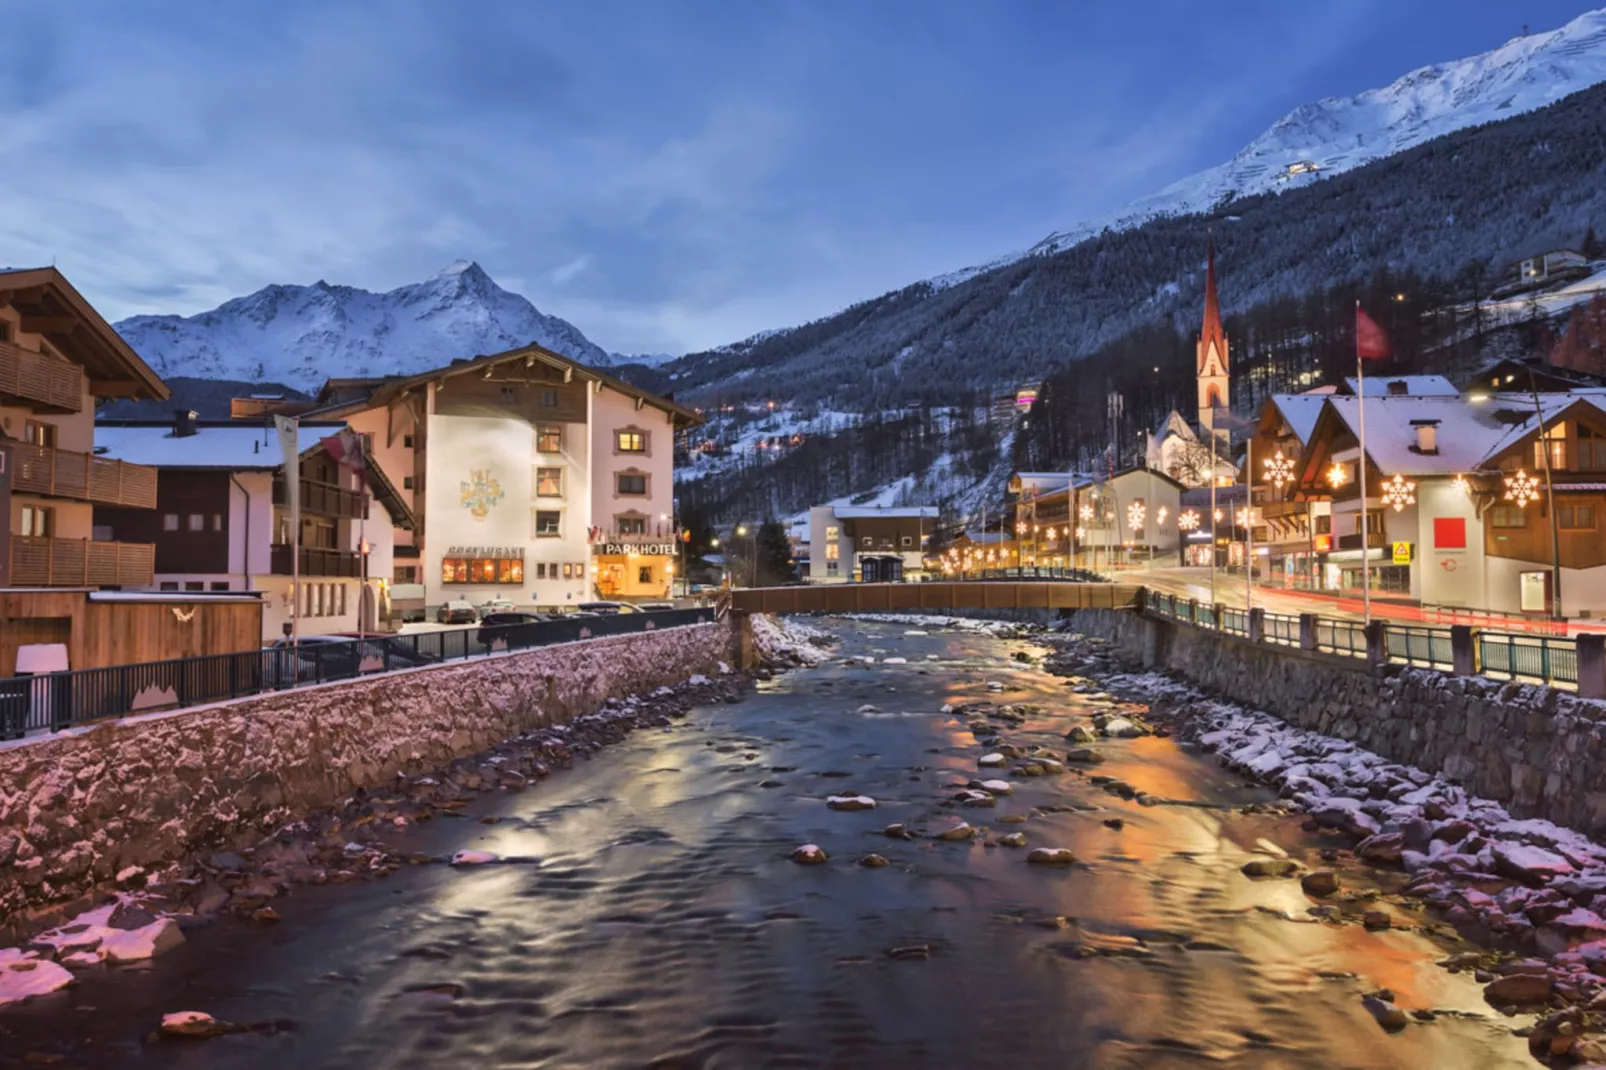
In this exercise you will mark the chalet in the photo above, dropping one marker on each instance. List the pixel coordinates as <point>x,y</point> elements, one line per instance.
<point>1510,376</point>
<point>1543,267</point>
<point>869,544</point>
<point>1073,520</point>
<point>223,521</point>
<point>1283,535</point>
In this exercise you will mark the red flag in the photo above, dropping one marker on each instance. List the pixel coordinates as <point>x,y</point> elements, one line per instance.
<point>345,447</point>
<point>1370,341</point>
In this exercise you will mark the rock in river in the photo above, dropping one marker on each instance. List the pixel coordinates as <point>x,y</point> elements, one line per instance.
<point>897,831</point>
<point>193,1025</point>
<point>1084,756</point>
<point>850,802</point>
<point>874,861</point>
<point>472,858</point>
<point>1319,883</point>
<point>996,787</point>
<point>1013,839</point>
<point>1081,734</point>
<point>1519,988</point>
<point>1388,1015</point>
<point>961,831</point>
<point>809,855</point>
<point>1270,867</point>
<point>989,761</point>
<point>1051,856</point>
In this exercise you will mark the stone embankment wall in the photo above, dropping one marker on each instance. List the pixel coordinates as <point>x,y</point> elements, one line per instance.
<point>77,809</point>
<point>1539,751</point>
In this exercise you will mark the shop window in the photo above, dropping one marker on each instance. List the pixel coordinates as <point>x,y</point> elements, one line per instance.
<point>644,574</point>
<point>38,521</point>
<point>454,570</point>
<point>630,442</point>
<point>509,570</point>
<point>1508,516</point>
<point>1576,517</point>
<point>549,438</point>
<point>630,484</point>
<point>548,524</point>
<point>549,482</point>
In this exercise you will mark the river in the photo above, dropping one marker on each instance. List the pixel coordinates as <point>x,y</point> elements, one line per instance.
<point>656,918</point>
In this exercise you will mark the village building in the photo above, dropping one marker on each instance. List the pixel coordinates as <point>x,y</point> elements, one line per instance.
<point>530,478</point>
<point>868,543</point>
<point>223,521</point>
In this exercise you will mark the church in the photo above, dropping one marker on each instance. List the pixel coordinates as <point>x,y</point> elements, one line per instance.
<point>1177,449</point>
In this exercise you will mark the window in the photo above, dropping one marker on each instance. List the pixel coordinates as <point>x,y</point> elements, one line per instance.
<point>38,521</point>
<point>217,521</point>
<point>549,439</point>
<point>549,398</point>
<point>630,525</point>
<point>194,585</point>
<point>317,600</point>
<point>1374,522</point>
<point>509,570</point>
<point>1508,516</point>
<point>907,540</point>
<point>168,585</point>
<point>549,482</point>
<point>1557,438</point>
<point>340,590</point>
<point>644,575</point>
<point>630,442</point>
<point>548,524</point>
<point>1324,524</point>
<point>864,541</point>
<point>102,533</point>
<point>39,434</point>
<point>407,442</point>
<point>407,482</point>
<point>630,483</point>
<point>833,549</point>
<point>405,574</point>
<point>197,522</point>
<point>540,570</point>
<point>170,523</point>
<point>454,570</point>
<point>1591,450</point>
<point>220,585</point>
<point>1576,517</point>
<point>510,394</point>
<point>567,570</point>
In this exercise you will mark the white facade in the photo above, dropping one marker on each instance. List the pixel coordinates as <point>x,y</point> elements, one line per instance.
<point>841,538</point>
<point>1135,511</point>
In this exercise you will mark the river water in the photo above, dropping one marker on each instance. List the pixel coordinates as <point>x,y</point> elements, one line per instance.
<point>656,919</point>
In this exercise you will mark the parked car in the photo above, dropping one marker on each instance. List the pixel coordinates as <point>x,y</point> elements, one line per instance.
<point>491,623</point>
<point>606,609</point>
<point>458,612</point>
<point>654,607</point>
<point>495,605</point>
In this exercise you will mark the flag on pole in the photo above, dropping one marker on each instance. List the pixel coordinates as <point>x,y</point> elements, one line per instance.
<point>1371,343</point>
<point>346,448</point>
<point>1230,422</point>
<point>289,446</point>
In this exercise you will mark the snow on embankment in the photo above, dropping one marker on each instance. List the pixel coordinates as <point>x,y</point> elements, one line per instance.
<point>782,641</point>
<point>1001,629</point>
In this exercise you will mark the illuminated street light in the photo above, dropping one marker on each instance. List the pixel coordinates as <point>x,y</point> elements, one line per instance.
<point>1522,489</point>
<point>1398,493</point>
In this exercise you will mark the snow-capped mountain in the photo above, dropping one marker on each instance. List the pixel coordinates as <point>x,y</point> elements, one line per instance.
<point>651,360</point>
<point>1341,133</point>
<point>302,335</point>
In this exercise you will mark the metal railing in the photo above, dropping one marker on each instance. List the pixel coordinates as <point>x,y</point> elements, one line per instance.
<point>1419,646</point>
<point>1341,637</point>
<point>1528,657</point>
<point>54,701</point>
<point>1280,628</point>
<point>1235,621</point>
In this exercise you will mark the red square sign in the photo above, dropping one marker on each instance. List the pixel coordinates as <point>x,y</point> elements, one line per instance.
<point>1449,533</point>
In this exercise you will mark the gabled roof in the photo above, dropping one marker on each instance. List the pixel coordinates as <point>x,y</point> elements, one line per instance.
<point>1554,407</point>
<point>1299,412</point>
<point>53,309</point>
<point>1415,385</point>
<point>867,512</point>
<point>1467,431</point>
<point>347,396</point>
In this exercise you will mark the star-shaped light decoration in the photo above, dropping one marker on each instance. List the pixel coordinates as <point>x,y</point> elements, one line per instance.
<point>1522,489</point>
<point>1462,484</point>
<point>1337,474</point>
<point>1188,521</point>
<point>1279,470</point>
<point>1398,493</point>
<point>1134,516</point>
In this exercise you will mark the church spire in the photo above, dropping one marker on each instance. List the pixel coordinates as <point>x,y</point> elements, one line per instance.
<point>1214,368</point>
<point>1211,331</point>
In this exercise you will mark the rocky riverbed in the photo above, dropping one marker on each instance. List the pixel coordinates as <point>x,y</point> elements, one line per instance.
<point>924,851</point>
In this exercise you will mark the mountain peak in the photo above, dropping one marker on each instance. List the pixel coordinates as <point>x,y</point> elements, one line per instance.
<point>458,267</point>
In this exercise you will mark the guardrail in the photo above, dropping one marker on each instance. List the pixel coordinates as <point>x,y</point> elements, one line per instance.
<point>54,701</point>
<point>1529,657</point>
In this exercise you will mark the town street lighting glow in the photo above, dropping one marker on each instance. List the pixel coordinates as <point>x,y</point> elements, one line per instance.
<point>1337,475</point>
<point>1522,489</point>
<point>1188,521</point>
<point>1279,470</point>
<point>1398,493</point>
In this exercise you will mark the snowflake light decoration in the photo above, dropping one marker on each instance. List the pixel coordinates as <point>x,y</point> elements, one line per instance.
<point>1134,515</point>
<point>1248,518</point>
<point>1337,475</point>
<point>1159,516</point>
<point>1398,493</point>
<point>1279,470</point>
<point>1188,521</point>
<point>1086,513</point>
<point>1053,533</point>
<point>1081,533</point>
<point>1462,484</point>
<point>1522,489</point>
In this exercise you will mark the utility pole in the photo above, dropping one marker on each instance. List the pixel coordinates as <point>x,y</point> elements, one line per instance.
<point>1550,502</point>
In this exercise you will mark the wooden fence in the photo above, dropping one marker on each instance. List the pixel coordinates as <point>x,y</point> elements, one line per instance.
<point>935,597</point>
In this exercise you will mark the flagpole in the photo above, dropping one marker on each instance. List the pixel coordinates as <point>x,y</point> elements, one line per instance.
<point>1366,532</point>
<point>1249,523</point>
<point>1212,432</point>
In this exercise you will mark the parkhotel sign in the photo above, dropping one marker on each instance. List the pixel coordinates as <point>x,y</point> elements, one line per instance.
<point>622,549</point>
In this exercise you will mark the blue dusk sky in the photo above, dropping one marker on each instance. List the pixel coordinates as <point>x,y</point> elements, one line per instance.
<point>666,174</point>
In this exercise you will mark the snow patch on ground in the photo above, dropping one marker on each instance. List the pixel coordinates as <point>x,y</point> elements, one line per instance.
<point>788,641</point>
<point>1001,629</point>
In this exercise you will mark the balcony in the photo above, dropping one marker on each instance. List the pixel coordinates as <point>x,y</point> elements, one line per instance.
<point>65,474</point>
<point>37,562</point>
<point>324,499</point>
<point>1352,541</point>
<point>38,382</point>
<point>316,562</point>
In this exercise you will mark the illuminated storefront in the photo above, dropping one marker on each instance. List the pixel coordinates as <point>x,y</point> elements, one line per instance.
<point>634,570</point>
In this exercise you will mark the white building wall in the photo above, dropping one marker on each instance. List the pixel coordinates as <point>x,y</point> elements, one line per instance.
<point>612,412</point>
<point>821,519</point>
<point>1447,576</point>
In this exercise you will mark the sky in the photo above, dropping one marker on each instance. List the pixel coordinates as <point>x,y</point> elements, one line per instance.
<point>668,175</point>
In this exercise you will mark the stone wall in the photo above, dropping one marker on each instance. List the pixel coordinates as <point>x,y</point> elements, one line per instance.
<point>78,808</point>
<point>1539,751</point>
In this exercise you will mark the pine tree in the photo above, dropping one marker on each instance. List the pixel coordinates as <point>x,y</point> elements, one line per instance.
<point>774,554</point>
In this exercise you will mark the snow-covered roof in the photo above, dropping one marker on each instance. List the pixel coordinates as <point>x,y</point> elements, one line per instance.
<point>1415,385</point>
<point>1299,412</point>
<point>1552,405</point>
<point>237,447</point>
<point>1175,425</point>
<point>1467,432</point>
<point>862,512</point>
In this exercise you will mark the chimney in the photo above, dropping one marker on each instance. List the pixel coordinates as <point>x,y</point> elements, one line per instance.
<point>1398,388</point>
<point>183,423</point>
<point>1427,435</point>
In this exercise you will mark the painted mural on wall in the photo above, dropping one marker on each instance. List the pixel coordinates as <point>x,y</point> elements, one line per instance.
<point>480,493</point>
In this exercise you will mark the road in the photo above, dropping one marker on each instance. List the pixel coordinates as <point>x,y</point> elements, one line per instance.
<point>656,919</point>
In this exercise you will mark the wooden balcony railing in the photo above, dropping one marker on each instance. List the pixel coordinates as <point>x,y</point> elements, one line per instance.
<point>80,476</point>
<point>316,562</point>
<point>40,382</point>
<point>37,562</point>
<point>324,499</point>
<point>1352,541</point>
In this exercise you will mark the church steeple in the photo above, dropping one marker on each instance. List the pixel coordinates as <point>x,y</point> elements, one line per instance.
<point>1214,371</point>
